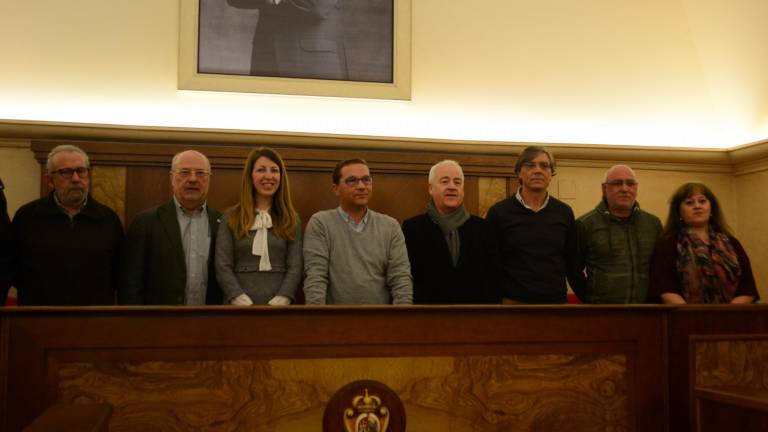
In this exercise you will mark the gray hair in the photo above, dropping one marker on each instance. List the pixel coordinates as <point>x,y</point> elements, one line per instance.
<point>530,154</point>
<point>175,159</point>
<point>433,170</point>
<point>65,148</point>
<point>605,177</point>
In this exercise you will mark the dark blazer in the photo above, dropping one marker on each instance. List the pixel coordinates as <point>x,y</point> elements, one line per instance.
<point>154,268</point>
<point>435,279</point>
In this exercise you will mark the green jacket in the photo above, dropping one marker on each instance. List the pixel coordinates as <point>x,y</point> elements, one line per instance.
<point>616,254</point>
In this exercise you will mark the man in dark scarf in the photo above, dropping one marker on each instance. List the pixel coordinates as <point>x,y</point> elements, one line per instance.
<point>452,253</point>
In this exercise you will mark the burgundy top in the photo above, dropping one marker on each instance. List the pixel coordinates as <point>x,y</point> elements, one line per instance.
<point>664,277</point>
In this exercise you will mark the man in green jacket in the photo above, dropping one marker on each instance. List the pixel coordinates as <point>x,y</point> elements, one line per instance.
<point>616,240</point>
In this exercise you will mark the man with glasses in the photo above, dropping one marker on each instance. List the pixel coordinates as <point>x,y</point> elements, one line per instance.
<point>537,236</point>
<point>616,240</point>
<point>353,255</point>
<point>168,253</point>
<point>67,244</point>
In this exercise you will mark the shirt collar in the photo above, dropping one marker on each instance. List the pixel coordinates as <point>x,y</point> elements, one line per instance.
<point>519,197</point>
<point>347,218</point>
<point>182,210</point>
<point>61,207</point>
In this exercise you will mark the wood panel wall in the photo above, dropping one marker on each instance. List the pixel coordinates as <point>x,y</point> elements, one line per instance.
<point>131,177</point>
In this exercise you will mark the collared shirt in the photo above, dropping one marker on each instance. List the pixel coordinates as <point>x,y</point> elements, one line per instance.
<point>519,197</point>
<point>64,210</point>
<point>357,227</point>
<point>196,240</point>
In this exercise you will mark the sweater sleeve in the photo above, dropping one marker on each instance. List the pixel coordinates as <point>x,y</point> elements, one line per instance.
<point>410,232</point>
<point>133,271</point>
<point>399,268</point>
<point>294,265</point>
<point>576,278</point>
<point>747,285</point>
<point>316,252</point>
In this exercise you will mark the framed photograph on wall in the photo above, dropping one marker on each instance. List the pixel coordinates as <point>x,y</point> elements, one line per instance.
<point>342,48</point>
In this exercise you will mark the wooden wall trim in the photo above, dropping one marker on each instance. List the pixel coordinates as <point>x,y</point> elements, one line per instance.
<point>568,154</point>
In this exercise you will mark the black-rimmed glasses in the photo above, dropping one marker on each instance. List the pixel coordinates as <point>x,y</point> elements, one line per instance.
<point>67,173</point>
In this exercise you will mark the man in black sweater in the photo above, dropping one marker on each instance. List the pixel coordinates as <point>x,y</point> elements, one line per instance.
<point>67,244</point>
<point>452,252</point>
<point>537,235</point>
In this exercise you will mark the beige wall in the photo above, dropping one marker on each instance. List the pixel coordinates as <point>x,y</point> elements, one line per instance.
<point>752,208</point>
<point>589,71</point>
<point>20,173</point>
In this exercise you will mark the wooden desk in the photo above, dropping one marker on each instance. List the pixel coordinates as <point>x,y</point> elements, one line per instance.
<point>539,367</point>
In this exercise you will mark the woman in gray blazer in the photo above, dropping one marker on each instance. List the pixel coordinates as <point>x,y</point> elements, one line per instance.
<point>258,248</point>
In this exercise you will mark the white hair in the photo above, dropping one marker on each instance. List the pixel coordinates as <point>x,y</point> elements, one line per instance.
<point>434,168</point>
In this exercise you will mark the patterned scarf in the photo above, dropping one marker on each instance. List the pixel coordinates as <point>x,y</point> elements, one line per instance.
<point>449,224</point>
<point>709,272</point>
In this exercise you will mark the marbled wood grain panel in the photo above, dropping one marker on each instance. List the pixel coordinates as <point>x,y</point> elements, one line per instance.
<point>108,187</point>
<point>732,363</point>
<point>490,191</point>
<point>463,394</point>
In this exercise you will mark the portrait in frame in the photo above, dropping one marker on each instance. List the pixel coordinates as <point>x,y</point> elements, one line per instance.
<point>340,48</point>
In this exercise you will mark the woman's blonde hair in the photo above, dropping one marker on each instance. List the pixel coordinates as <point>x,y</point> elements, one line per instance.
<point>242,214</point>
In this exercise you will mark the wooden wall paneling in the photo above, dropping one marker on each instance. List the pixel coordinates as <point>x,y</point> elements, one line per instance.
<point>688,324</point>
<point>722,411</point>
<point>400,178</point>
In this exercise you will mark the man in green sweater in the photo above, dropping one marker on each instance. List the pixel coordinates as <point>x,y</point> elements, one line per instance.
<point>616,240</point>
<point>353,255</point>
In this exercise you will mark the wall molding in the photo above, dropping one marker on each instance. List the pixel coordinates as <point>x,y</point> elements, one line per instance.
<point>741,160</point>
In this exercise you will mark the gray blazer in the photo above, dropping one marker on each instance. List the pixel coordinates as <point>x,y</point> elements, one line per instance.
<point>237,269</point>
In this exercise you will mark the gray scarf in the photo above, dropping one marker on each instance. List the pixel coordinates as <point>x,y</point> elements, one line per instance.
<point>449,224</point>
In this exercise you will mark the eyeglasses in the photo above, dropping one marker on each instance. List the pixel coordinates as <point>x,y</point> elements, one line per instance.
<point>353,181</point>
<point>67,173</point>
<point>618,183</point>
<point>543,165</point>
<point>186,173</point>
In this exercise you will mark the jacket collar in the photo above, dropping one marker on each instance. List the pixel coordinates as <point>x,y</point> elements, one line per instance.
<point>602,208</point>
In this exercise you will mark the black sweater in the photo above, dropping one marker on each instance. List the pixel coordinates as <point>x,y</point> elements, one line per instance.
<point>538,250</point>
<point>66,262</point>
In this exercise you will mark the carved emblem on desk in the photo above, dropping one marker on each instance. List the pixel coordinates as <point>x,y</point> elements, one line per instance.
<point>366,414</point>
<point>364,406</point>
